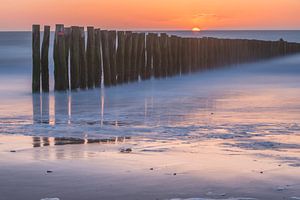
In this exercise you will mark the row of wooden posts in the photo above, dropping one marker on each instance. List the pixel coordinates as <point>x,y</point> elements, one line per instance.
<point>120,57</point>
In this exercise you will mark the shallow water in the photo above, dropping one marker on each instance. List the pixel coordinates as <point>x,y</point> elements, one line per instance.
<point>251,111</point>
<point>234,102</point>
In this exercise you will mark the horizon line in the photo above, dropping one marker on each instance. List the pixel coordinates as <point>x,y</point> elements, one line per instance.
<point>169,30</point>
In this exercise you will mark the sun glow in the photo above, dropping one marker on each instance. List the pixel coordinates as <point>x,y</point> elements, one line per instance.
<point>196,29</point>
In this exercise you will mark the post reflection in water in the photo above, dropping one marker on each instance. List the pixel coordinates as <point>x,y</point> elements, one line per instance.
<point>102,106</point>
<point>94,113</point>
<point>62,153</point>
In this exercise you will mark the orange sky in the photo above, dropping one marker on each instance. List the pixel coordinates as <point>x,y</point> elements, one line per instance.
<point>152,14</point>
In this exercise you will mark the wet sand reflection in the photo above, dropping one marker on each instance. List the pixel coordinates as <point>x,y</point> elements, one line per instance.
<point>59,141</point>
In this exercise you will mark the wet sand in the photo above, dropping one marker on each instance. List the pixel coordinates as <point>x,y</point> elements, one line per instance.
<point>37,168</point>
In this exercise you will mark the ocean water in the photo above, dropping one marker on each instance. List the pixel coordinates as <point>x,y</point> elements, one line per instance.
<point>231,133</point>
<point>236,101</point>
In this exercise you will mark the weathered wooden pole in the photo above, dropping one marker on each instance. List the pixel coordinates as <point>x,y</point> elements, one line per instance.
<point>98,58</point>
<point>59,54</point>
<point>179,54</point>
<point>174,50</point>
<point>90,57</point>
<point>163,44</point>
<point>149,56</point>
<point>36,60</point>
<point>141,55</point>
<point>184,52</point>
<point>106,58</point>
<point>201,54</point>
<point>172,47</point>
<point>157,56</point>
<point>75,58</point>
<point>112,36</point>
<point>198,53</point>
<point>128,54</point>
<point>83,60</point>
<point>121,56</point>
<point>67,49</point>
<point>45,59</point>
<point>209,53</point>
<point>134,58</point>
<point>169,63</point>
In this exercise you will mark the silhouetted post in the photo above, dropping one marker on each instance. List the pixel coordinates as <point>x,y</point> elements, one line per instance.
<point>98,58</point>
<point>149,56</point>
<point>45,59</point>
<point>67,48</point>
<point>194,53</point>
<point>121,56</point>
<point>134,59</point>
<point>171,59</point>
<point>179,54</point>
<point>36,60</point>
<point>164,54</point>
<point>174,53</point>
<point>106,58</point>
<point>198,53</point>
<point>75,58</point>
<point>157,56</point>
<point>83,61</point>
<point>90,56</point>
<point>184,64</point>
<point>112,36</point>
<point>141,55</point>
<point>281,47</point>
<point>201,52</point>
<point>60,66</point>
<point>209,46</point>
<point>128,53</point>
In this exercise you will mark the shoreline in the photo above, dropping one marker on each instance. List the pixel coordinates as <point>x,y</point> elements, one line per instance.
<point>153,170</point>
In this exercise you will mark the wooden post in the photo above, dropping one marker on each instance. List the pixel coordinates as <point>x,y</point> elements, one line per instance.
<point>201,54</point>
<point>171,59</point>
<point>128,53</point>
<point>194,54</point>
<point>157,56</point>
<point>106,58</point>
<point>164,54</point>
<point>179,54</point>
<point>45,59</point>
<point>141,55</point>
<point>83,61</point>
<point>121,56</point>
<point>60,66</point>
<point>98,58</point>
<point>90,56</point>
<point>184,63</point>
<point>134,59</point>
<point>67,49</point>
<point>113,56</point>
<point>149,56</point>
<point>36,60</point>
<point>75,58</point>
<point>198,53</point>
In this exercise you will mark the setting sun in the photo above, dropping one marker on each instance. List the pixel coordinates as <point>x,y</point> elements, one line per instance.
<point>196,29</point>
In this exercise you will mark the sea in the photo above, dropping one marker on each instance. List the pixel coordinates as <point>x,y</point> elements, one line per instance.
<point>237,101</point>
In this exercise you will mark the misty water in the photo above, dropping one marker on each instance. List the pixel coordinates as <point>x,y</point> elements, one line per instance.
<point>238,101</point>
<point>245,110</point>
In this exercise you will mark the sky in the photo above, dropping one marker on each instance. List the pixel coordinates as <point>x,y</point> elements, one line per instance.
<point>152,14</point>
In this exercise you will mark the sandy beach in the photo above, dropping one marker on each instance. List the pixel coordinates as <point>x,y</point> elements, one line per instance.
<point>155,169</point>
